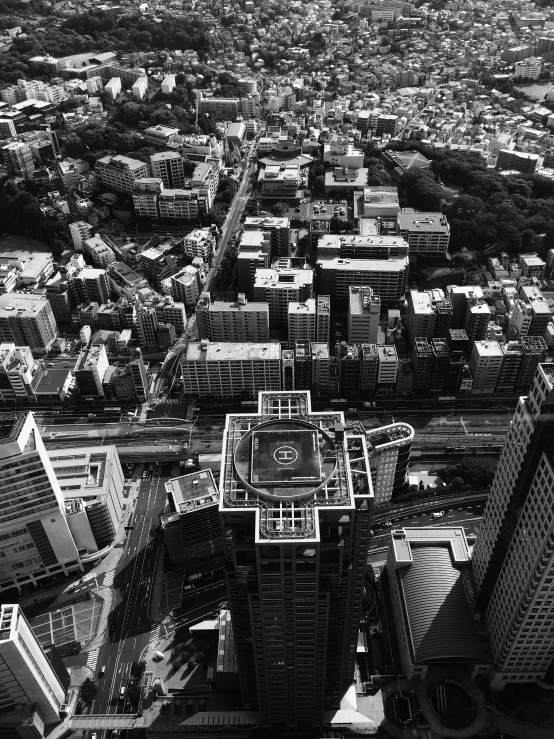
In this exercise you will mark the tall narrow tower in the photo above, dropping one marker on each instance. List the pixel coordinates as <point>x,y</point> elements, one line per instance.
<point>295,505</point>
<point>513,561</point>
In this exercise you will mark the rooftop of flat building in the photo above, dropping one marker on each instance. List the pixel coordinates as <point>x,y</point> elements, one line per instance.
<point>192,492</point>
<point>282,277</point>
<point>262,222</point>
<point>488,348</point>
<point>392,264</point>
<point>389,436</point>
<point>223,351</point>
<point>413,221</point>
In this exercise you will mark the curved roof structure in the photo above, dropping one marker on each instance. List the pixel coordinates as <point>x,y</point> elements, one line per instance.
<point>440,615</point>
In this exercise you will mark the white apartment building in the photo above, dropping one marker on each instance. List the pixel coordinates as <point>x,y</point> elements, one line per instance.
<point>113,87</point>
<point>237,321</point>
<point>27,320</point>
<point>484,365</point>
<point>301,321</point>
<point>200,243</point>
<point>18,158</point>
<point>30,689</point>
<point>387,373</point>
<point>145,196</point>
<point>426,233</point>
<point>513,558</point>
<point>225,370</point>
<point>529,68</point>
<point>80,231</point>
<point>185,285</point>
<point>120,172</point>
<point>140,87</point>
<point>364,308</point>
<point>35,538</point>
<point>280,286</point>
<point>278,230</point>
<point>97,249</point>
<point>168,84</point>
<point>17,371</point>
<point>387,277</point>
<point>169,167</point>
<point>321,367</point>
<point>90,369</point>
<point>94,85</point>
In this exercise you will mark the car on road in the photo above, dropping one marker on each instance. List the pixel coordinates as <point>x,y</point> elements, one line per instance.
<point>93,735</point>
<point>188,587</point>
<point>369,404</point>
<point>437,514</point>
<point>122,692</point>
<point>388,524</point>
<point>102,671</point>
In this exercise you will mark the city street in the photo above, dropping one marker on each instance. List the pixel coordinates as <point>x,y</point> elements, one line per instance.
<point>232,220</point>
<point>130,623</point>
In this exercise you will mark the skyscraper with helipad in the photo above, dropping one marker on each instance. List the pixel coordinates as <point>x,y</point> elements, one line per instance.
<point>295,505</point>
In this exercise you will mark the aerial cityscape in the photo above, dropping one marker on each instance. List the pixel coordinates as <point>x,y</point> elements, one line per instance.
<point>276,369</point>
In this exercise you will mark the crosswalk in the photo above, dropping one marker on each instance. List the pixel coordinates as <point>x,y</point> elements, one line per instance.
<point>154,634</point>
<point>109,578</point>
<point>92,659</point>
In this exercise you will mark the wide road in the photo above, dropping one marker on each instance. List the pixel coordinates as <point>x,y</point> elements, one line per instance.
<point>132,583</point>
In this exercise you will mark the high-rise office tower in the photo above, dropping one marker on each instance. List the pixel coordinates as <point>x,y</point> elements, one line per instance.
<point>32,692</point>
<point>513,560</point>
<point>34,533</point>
<point>295,505</point>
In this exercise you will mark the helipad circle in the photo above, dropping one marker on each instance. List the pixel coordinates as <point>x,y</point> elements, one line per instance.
<point>285,459</point>
<point>285,455</point>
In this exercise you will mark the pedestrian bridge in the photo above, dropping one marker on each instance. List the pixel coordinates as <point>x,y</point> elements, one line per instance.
<point>107,721</point>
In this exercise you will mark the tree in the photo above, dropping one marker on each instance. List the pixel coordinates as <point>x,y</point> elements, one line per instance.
<point>478,470</point>
<point>422,190</point>
<point>138,669</point>
<point>74,147</point>
<point>280,209</point>
<point>88,691</point>
<point>457,483</point>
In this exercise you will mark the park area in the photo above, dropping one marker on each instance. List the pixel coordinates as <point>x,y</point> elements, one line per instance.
<point>76,622</point>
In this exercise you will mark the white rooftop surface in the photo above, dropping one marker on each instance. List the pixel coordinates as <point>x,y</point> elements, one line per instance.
<point>225,351</point>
